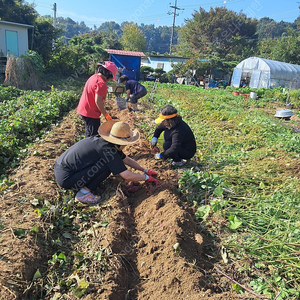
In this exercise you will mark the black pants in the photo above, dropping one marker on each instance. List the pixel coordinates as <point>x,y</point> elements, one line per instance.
<point>134,98</point>
<point>183,153</point>
<point>90,177</point>
<point>91,126</point>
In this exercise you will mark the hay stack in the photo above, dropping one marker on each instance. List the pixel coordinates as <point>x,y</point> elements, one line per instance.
<point>21,74</point>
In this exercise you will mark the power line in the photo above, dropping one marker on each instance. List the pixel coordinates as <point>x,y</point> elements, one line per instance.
<point>43,2</point>
<point>49,6</point>
<point>213,3</point>
<point>146,18</point>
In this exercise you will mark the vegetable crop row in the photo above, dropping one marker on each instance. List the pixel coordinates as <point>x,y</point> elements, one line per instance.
<point>25,116</point>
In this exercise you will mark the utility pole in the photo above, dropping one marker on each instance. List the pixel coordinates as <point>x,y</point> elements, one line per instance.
<point>174,16</point>
<point>54,23</point>
<point>54,14</point>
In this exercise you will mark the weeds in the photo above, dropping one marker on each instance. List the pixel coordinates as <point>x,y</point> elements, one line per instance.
<point>249,179</point>
<point>79,260</point>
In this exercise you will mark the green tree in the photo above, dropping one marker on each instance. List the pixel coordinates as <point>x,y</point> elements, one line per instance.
<point>269,29</point>
<point>132,38</point>
<point>78,57</point>
<point>158,72</point>
<point>158,38</point>
<point>164,39</point>
<point>70,27</point>
<point>145,71</point>
<point>217,32</point>
<point>150,33</point>
<point>110,27</point>
<point>285,48</point>
<point>44,36</point>
<point>17,11</point>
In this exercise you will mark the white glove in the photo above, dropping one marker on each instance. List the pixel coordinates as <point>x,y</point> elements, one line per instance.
<point>153,141</point>
<point>157,156</point>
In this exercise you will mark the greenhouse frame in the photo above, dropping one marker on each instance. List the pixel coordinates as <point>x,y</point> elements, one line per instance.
<point>257,72</point>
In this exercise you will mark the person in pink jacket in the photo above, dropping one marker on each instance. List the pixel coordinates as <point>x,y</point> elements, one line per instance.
<point>91,104</point>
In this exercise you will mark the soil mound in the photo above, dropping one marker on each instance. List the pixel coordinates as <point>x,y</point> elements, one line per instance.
<point>157,248</point>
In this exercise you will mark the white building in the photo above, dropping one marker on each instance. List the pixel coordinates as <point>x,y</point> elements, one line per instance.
<point>13,41</point>
<point>13,38</point>
<point>162,61</point>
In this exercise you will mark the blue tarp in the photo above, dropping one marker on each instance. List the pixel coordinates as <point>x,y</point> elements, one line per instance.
<point>130,65</point>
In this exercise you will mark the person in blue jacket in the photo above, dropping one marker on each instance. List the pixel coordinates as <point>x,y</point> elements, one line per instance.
<point>179,140</point>
<point>134,90</point>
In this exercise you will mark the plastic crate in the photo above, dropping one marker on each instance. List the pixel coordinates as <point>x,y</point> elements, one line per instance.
<point>121,103</point>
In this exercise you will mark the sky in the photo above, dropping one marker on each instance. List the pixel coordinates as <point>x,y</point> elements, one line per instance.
<point>161,12</point>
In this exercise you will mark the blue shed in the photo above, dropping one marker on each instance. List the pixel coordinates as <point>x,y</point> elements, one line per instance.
<point>128,61</point>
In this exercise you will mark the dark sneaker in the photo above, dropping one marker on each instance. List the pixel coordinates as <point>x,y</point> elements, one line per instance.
<point>178,163</point>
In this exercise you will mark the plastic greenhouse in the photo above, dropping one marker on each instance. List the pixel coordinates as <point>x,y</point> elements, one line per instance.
<point>258,72</point>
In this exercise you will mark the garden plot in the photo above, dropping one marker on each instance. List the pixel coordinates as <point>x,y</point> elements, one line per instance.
<point>142,245</point>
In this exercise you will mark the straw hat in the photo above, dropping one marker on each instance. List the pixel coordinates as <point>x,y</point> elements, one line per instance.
<point>118,132</point>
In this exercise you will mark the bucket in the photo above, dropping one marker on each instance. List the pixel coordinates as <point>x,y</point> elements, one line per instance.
<point>121,103</point>
<point>283,113</point>
<point>253,95</point>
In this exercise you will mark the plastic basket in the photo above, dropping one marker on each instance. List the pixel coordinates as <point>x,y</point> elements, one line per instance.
<point>121,103</point>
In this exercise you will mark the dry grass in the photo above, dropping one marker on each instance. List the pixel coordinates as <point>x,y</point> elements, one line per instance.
<point>21,74</point>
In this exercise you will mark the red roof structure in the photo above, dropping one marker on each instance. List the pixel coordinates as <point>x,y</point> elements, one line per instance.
<point>123,52</point>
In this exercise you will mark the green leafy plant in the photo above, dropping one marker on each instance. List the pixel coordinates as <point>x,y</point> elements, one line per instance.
<point>197,186</point>
<point>255,155</point>
<point>24,118</point>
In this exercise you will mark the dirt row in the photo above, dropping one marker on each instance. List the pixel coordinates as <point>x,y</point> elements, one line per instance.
<point>160,251</point>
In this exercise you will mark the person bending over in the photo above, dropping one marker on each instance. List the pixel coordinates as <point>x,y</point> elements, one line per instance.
<point>134,90</point>
<point>90,161</point>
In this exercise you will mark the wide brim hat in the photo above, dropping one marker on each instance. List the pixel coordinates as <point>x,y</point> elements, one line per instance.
<point>118,132</point>
<point>110,66</point>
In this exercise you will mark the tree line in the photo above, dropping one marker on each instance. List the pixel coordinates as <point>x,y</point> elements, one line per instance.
<point>217,38</point>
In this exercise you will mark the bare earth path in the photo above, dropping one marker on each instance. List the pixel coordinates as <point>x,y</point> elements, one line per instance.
<point>143,229</point>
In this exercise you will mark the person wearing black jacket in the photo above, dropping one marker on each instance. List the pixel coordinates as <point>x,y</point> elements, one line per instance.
<point>179,140</point>
<point>86,164</point>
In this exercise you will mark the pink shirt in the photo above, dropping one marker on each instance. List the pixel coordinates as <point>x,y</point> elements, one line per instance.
<point>87,106</point>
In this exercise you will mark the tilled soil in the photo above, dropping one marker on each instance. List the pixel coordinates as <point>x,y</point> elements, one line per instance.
<point>161,251</point>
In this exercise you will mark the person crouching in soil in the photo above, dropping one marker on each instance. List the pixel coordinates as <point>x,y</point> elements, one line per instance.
<point>90,161</point>
<point>134,90</point>
<point>91,104</point>
<point>179,140</point>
